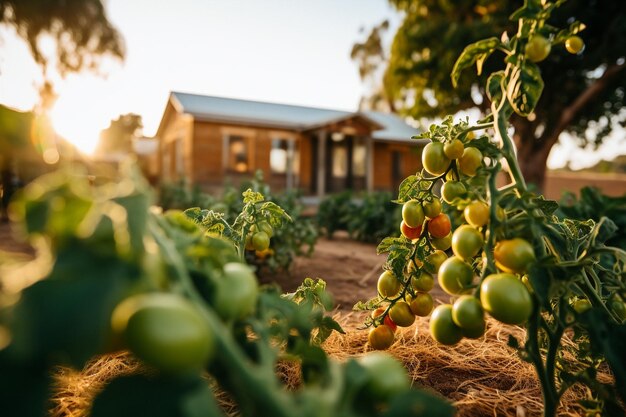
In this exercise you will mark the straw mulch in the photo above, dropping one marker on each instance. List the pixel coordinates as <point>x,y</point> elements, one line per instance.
<point>482,377</point>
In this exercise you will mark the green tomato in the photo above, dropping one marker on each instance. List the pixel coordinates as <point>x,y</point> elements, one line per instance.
<point>422,281</point>
<point>433,262</point>
<point>451,190</point>
<point>263,226</point>
<point>513,255</point>
<point>538,48</point>
<point>381,337</point>
<point>260,241</point>
<point>236,293</point>
<point>453,149</point>
<point>401,314</point>
<point>434,160</point>
<point>581,305</point>
<point>466,241</point>
<point>386,377</point>
<point>442,243</point>
<point>619,308</point>
<point>476,213</point>
<point>413,213</point>
<point>506,298</point>
<point>442,327</point>
<point>468,314</point>
<point>165,331</point>
<point>471,160</point>
<point>432,208</point>
<point>421,304</point>
<point>455,275</point>
<point>388,285</point>
<point>574,44</point>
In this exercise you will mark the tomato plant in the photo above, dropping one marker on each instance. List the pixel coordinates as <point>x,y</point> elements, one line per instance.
<point>516,260</point>
<point>113,273</point>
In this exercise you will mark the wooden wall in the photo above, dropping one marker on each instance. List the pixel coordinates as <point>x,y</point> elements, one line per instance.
<point>410,163</point>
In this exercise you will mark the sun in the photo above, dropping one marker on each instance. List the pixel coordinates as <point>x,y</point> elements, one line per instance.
<point>78,123</point>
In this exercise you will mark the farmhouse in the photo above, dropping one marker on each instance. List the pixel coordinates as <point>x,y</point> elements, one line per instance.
<point>210,141</point>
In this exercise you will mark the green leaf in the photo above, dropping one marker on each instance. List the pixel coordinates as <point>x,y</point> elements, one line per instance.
<point>529,11</point>
<point>548,207</point>
<point>420,404</point>
<point>609,339</point>
<point>67,316</point>
<point>251,197</point>
<point>156,396</point>
<point>524,88</point>
<point>478,51</point>
<point>494,86</point>
<point>407,188</point>
<point>390,243</point>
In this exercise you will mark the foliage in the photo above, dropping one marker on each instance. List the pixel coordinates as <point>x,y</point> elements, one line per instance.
<point>583,94</point>
<point>520,262</point>
<point>594,205</point>
<point>296,238</point>
<point>118,136</point>
<point>179,195</point>
<point>366,218</point>
<point>102,247</point>
<point>80,28</point>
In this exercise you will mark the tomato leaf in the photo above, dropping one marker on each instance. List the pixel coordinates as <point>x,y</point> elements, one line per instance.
<point>548,207</point>
<point>524,88</point>
<point>473,53</point>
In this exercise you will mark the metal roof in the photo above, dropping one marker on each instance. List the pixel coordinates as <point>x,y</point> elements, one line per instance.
<point>222,109</point>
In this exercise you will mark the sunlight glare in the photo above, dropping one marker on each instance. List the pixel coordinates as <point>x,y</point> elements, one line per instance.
<point>79,123</point>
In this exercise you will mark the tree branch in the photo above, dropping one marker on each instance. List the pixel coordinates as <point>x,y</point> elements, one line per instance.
<point>588,95</point>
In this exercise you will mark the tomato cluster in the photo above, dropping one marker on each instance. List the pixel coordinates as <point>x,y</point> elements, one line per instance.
<point>454,257</point>
<point>258,238</point>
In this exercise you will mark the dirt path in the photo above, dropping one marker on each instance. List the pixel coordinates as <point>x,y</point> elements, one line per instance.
<point>350,269</point>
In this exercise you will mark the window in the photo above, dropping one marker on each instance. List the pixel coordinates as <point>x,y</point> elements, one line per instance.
<point>359,159</point>
<point>280,156</point>
<point>237,157</point>
<point>340,161</point>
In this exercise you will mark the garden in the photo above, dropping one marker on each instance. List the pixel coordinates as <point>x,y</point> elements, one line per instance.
<point>456,295</point>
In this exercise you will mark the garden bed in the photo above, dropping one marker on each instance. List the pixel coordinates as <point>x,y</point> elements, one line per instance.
<point>482,377</point>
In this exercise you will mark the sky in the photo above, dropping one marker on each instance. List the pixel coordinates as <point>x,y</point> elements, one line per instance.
<point>285,51</point>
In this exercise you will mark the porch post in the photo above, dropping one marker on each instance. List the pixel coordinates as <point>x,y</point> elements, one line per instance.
<point>321,163</point>
<point>369,163</point>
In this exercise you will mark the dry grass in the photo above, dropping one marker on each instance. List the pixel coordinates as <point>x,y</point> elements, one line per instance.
<point>482,377</point>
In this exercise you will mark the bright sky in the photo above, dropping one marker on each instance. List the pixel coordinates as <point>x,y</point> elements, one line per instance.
<point>286,51</point>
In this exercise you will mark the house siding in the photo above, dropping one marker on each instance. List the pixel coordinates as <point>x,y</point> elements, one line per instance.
<point>411,162</point>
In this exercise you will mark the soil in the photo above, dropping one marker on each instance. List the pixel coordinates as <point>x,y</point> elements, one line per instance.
<point>350,269</point>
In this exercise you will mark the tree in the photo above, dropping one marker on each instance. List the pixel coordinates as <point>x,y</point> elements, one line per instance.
<point>80,29</point>
<point>583,94</point>
<point>118,136</point>
<point>82,34</point>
